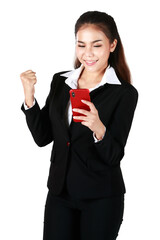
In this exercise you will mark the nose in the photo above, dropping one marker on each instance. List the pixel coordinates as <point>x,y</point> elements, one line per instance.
<point>88,52</point>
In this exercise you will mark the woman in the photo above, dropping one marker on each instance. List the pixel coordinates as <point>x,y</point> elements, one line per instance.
<point>86,189</point>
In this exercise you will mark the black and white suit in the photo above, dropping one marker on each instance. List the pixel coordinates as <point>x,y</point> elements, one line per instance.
<point>86,168</point>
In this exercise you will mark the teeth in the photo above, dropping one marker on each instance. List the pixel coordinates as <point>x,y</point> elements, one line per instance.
<point>90,61</point>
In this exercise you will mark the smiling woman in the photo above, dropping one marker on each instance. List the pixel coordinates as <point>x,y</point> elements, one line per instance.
<point>105,25</point>
<point>86,188</point>
<point>96,50</point>
<point>93,49</point>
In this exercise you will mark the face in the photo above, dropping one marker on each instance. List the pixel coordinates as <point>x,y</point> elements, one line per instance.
<point>93,48</point>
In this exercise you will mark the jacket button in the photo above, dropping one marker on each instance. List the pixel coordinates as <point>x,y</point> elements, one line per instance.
<point>68,144</point>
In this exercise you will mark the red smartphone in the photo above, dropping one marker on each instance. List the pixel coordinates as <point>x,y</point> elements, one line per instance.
<point>76,95</point>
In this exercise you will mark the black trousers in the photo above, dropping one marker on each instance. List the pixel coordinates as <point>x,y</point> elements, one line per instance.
<point>89,219</point>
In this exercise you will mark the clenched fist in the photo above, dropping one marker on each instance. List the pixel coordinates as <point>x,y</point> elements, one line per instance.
<point>28,79</point>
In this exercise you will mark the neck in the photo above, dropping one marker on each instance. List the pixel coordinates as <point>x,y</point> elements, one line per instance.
<point>92,77</point>
<point>89,79</point>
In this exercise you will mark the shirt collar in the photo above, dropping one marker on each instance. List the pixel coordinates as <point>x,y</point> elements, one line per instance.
<point>109,77</point>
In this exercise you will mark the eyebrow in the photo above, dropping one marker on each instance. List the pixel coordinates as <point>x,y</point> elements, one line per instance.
<point>92,42</point>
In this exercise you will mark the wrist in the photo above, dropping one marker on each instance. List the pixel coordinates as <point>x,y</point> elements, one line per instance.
<point>100,133</point>
<point>29,101</point>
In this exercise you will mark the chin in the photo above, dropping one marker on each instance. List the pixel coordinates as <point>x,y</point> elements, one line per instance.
<point>93,69</point>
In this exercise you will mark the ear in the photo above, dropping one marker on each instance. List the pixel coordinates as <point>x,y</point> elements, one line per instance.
<point>113,45</point>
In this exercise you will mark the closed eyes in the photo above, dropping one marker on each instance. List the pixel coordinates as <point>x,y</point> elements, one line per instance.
<point>82,46</point>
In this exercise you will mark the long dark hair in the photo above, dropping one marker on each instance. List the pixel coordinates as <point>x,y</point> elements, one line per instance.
<point>108,26</point>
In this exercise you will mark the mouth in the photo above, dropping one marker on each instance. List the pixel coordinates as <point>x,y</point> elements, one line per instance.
<point>90,62</point>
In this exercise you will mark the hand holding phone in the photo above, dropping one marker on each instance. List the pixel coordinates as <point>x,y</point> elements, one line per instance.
<point>76,95</point>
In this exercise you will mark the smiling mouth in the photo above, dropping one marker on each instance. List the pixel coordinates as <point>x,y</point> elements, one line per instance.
<point>90,63</point>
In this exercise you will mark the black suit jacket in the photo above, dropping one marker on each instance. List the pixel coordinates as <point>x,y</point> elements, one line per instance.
<point>89,169</point>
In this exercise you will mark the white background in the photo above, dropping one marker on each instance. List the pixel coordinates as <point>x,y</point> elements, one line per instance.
<point>39,35</point>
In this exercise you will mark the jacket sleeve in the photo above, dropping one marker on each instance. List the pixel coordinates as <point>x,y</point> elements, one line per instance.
<point>38,121</point>
<point>111,148</point>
